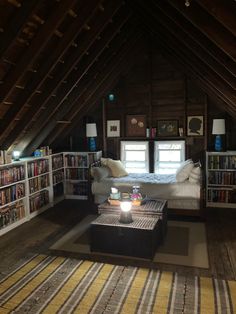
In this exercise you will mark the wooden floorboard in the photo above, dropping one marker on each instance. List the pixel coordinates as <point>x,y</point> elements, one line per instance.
<point>37,235</point>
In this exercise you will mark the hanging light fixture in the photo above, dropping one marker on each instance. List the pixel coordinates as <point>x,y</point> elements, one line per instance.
<point>187,3</point>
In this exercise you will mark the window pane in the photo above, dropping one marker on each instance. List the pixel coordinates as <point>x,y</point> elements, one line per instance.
<point>135,156</point>
<point>135,147</point>
<point>169,155</point>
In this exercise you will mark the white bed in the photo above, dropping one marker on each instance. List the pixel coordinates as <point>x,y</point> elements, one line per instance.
<point>179,195</point>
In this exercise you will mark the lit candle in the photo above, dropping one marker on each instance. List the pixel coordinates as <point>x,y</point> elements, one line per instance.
<point>114,190</point>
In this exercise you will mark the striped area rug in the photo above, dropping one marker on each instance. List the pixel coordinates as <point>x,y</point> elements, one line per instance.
<point>52,284</point>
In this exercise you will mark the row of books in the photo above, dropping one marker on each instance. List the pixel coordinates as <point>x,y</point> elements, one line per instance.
<point>39,200</point>
<point>77,174</point>
<point>57,162</point>
<point>76,161</point>
<point>80,188</point>
<point>5,157</point>
<point>38,183</point>
<point>58,176</point>
<point>221,162</point>
<point>12,174</point>
<point>12,193</point>
<point>38,167</point>
<point>220,177</point>
<point>11,214</point>
<point>224,196</point>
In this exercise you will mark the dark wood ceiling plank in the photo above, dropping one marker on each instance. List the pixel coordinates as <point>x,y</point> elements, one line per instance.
<point>189,62</point>
<point>73,79</point>
<point>198,36</point>
<point>184,32</point>
<point>223,11</point>
<point>49,64</point>
<point>208,25</point>
<point>37,45</point>
<point>201,73</point>
<point>122,66</point>
<point>112,67</point>
<point>15,24</point>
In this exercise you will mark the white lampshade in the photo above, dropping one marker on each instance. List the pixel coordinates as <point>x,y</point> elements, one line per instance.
<point>218,126</point>
<point>91,130</point>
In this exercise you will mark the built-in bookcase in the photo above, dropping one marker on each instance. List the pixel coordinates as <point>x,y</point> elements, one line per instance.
<point>77,173</point>
<point>221,179</point>
<point>13,204</point>
<point>32,185</point>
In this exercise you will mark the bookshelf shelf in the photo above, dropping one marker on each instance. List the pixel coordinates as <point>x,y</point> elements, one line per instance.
<point>221,179</point>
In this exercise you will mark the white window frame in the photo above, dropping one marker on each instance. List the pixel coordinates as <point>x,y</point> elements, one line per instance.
<point>123,155</point>
<point>167,170</point>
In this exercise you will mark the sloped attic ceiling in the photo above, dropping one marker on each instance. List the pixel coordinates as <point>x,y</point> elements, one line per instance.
<point>58,58</point>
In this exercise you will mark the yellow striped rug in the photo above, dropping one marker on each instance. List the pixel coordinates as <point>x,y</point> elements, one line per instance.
<point>52,284</point>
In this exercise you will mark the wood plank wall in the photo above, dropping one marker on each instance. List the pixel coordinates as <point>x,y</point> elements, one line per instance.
<point>155,88</point>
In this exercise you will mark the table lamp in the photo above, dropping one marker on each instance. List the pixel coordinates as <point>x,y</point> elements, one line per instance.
<point>125,215</point>
<point>91,133</point>
<point>218,129</point>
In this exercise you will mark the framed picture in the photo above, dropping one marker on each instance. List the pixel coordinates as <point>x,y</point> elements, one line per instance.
<point>136,125</point>
<point>167,128</point>
<point>113,128</point>
<point>195,125</point>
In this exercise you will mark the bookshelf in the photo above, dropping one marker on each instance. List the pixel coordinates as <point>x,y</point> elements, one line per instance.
<point>58,177</point>
<point>77,184</point>
<point>13,199</point>
<point>221,179</point>
<point>30,186</point>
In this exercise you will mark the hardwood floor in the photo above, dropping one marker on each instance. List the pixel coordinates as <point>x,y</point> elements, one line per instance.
<point>37,235</point>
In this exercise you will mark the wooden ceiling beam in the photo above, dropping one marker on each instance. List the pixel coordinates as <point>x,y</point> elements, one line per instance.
<point>182,30</point>
<point>77,95</point>
<point>191,61</point>
<point>99,24</point>
<point>49,64</point>
<point>121,65</point>
<point>15,24</point>
<point>37,45</point>
<point>208,25</point>
<point>73,80</point>
<point>223,11</point>
<point>198,71</point>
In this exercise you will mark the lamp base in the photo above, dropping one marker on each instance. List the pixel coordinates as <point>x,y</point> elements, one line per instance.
<point>218,143</point>
<point>125,217</point>
<point>92,144</point>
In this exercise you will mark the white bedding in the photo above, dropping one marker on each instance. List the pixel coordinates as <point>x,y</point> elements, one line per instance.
<point>152,185</point>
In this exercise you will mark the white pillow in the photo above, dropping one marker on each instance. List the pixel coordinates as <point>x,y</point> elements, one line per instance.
<point>117,168</point>
<point>183,172</point>
<point>104,161</point>
<point>195,175</point>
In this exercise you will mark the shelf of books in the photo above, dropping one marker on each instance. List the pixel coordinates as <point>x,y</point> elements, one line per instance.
<point>39,185</point>
<point>77,173</point>
<point>58,177</point>
<point>30,186</point>
<point>13,209</point>
<point>221,179</point>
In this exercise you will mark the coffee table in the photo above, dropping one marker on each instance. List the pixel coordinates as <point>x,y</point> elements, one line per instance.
<point>150,208</point>
<point>139,238</point>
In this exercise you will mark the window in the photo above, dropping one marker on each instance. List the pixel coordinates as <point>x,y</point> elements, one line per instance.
<point>168,156</point>
<point>134,156</point>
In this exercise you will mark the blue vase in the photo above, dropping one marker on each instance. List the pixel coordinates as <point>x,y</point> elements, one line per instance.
<point>92,144</point>
<point>218,143</point>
